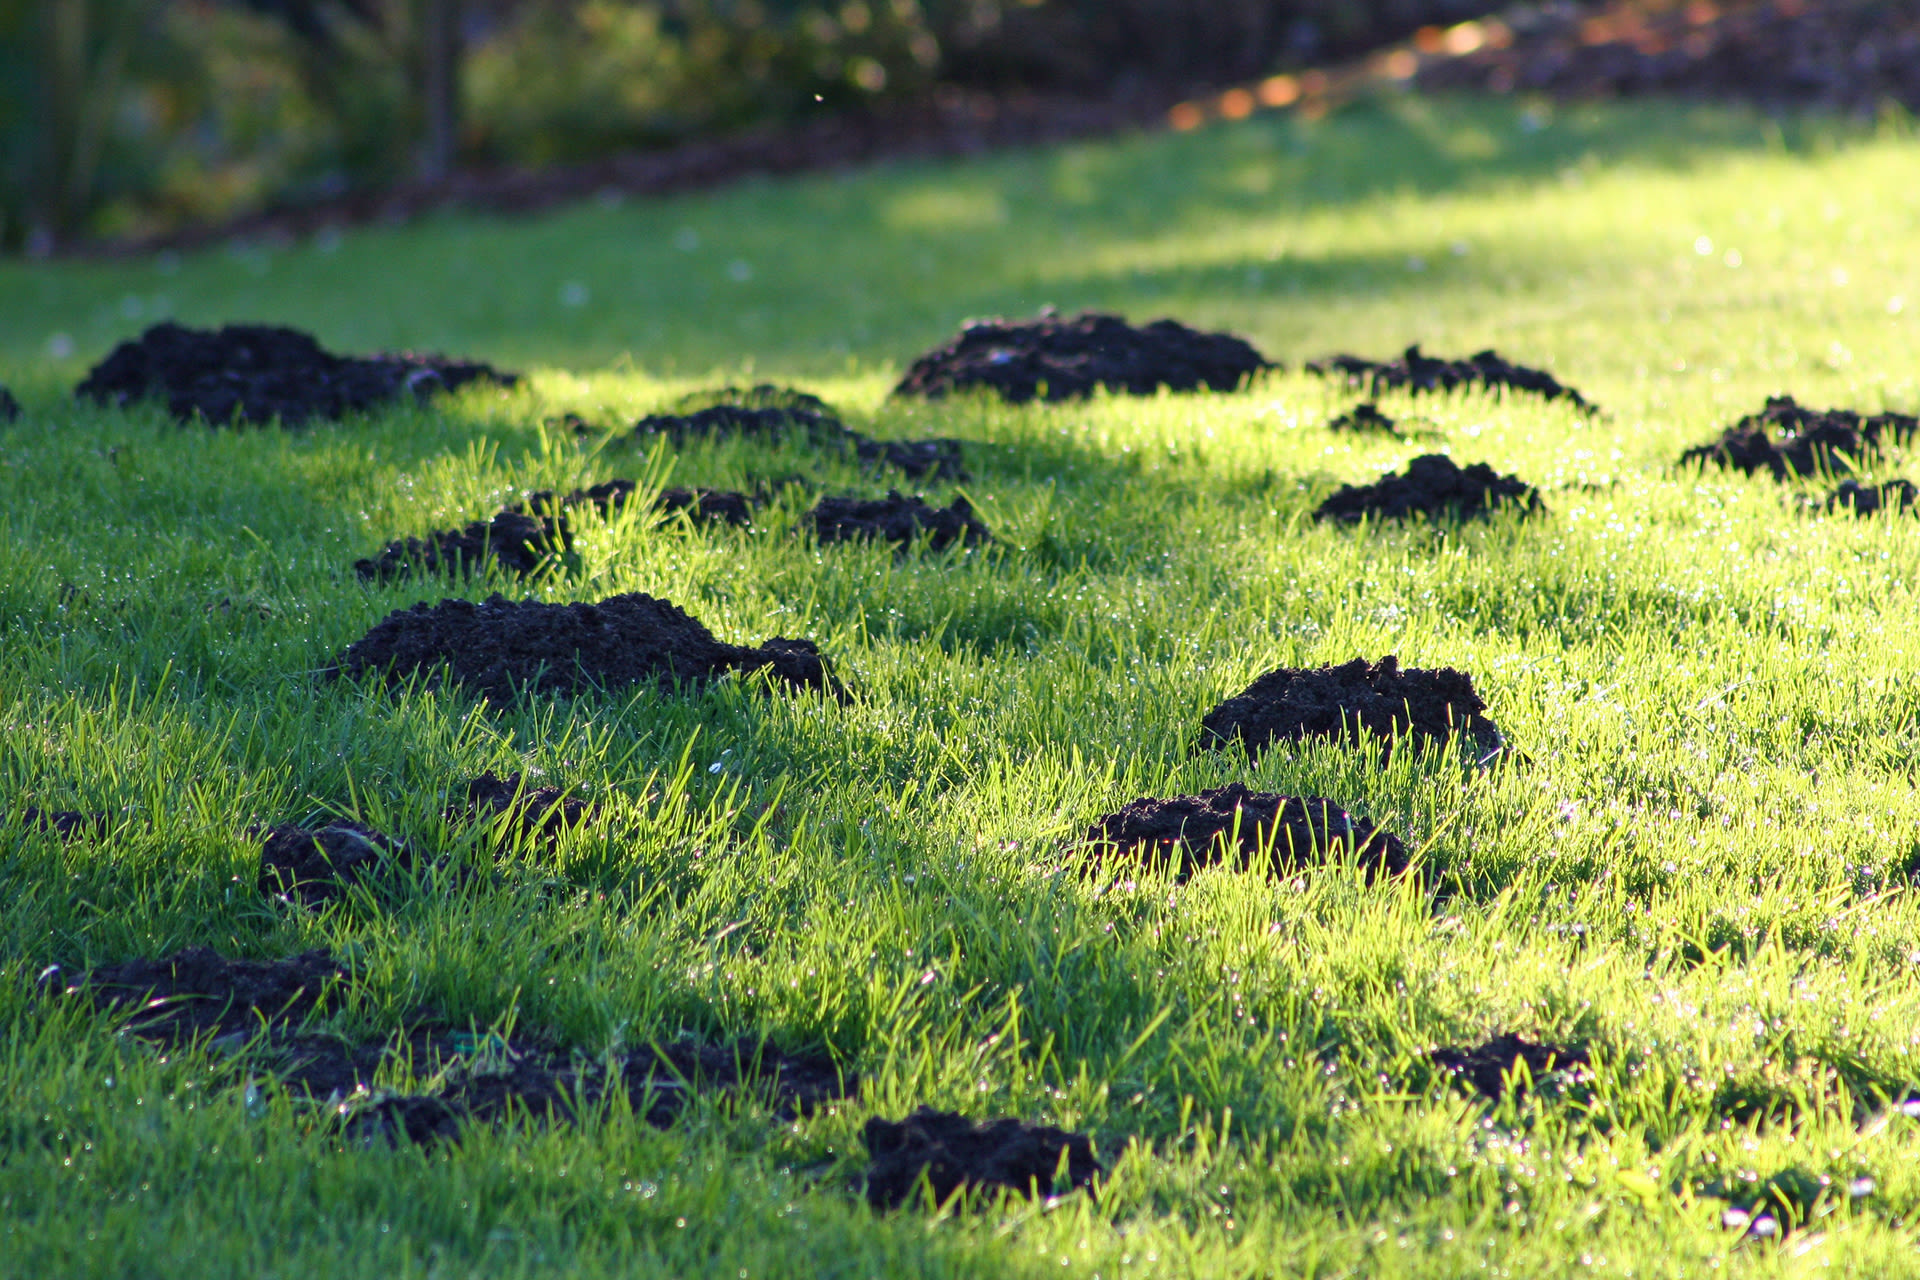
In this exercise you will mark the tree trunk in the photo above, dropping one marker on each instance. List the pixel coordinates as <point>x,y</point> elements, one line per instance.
<point>440,87</point>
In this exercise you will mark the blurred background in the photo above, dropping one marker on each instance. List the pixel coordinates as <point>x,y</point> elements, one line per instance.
<point>132,118</point>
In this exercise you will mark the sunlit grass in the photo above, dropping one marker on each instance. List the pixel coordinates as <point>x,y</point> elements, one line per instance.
<point>1702,870</point>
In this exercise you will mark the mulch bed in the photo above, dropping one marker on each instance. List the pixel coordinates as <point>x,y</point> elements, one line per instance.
<point>898,520</point>
<point>1786,439</point>
<point>1357,701</point>
<point>197,994</point>
<point>1865,499</point>
<point>502,648</point>
<point>1434,487</point>
<point>1187,833</point>
<point>1060,359</point>
<point>316,866</point>
<point>533,813</point>
<point>1417,372</point>
<point>1844,55</point>
<point>259,373</point>
<point>1489,1067</point>
<point>953,1153</point>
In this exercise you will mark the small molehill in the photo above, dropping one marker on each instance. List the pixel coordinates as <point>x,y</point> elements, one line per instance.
<point>1365,418</point>
<point>1865,499</point>
<point>9,407</point>
<point>1054,358</point>
<point>503,648</point>
<point>197,992</point>
<point>1357,701</point>
<point>707,506</point>
<point>1243,827</point>
<point>514,542</point>
<point>1433,488</point>
<point>67,824</point>
<point>256,373</point>
<point>1490,1068</point>
<point>1785,439</point>
<point>954,1153</point>
<point>312,867</point>
<point>898,520</point>
<point>1418,372</point>
<point>535,813</point>
<point>777,413</point>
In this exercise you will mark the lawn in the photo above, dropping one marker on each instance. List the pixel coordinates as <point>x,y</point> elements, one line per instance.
<point>1700,870</point>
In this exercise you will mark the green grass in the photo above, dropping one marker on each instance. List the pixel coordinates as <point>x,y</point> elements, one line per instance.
<point>1701,873</point>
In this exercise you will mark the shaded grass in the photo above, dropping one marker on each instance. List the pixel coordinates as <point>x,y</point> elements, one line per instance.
<point>1702,873</point>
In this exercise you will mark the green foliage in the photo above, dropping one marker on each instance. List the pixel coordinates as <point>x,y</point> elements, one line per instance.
<point>1702,873</point>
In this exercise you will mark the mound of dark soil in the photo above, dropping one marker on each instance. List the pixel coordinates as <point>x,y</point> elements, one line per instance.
<point>1416,371</point>
<point>707,506</point>
<point>1489,1067</point>
<point>774,413</point>
<point>198,992</point>
<point>1849,56</point>
<point>1786,439</point>
<point>1062,359</point>
<point>1191,832</point>
<point>261,372</point>
<point>1434,488</point>
<point>312,867</point>
<point>515,542</point>
<point>1355,701</point>
<point>1365,418</point>
<point>501,648</point>
<point>1865,499</point>
<point>953,1152</point>
<point>897,520</point>
<point>9,407</point>
<point>67,824</point>
<point>538,813</point>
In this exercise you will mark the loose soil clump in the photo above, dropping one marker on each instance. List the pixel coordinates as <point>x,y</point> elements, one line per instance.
<point>953,1152</point>
<point>1365,418</point>
<point>1434,488</point>
<point>1489,1067</point>
<point>66,824</point>
<point>1187,833</point>
<point>898,520</point>
<point>503,648</point>
<point>197,992</point>
<point>517,543</point>
<point>1865,499</point>
<point>707,506</point>
<point>1062,359</point>
<point>9,407</point>
<point>314,867</point>
<point>1418,372</point>
<point>1785,439</point>
<point>1356,701</point>
<point>775,413</point>
<point>256,373</point>
<point>537,813</point>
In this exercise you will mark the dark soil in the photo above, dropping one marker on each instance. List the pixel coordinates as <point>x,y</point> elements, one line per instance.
<point>1485,1066</point>
<point>897,520</point>
<point>316,866</point>
<point>197,992</point>
<point>1433,488</point>
<point>707,506</point>
<point>9,407</point>
<point>1844,55</point>
<point>1786,439</point>
<point>953,1153</point>
<point>1418,372</point>
<point>517,543</point>
<point>1365,418</point>
<point>67,824</point>
<point>1061,359</point>
<point>777,413</point>
<point>538,813</point>
<point>257,373</point>
<point>1354,701</point>
<point>502,648</point>
<point>1865,499</point>
<point>1191,832</point>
